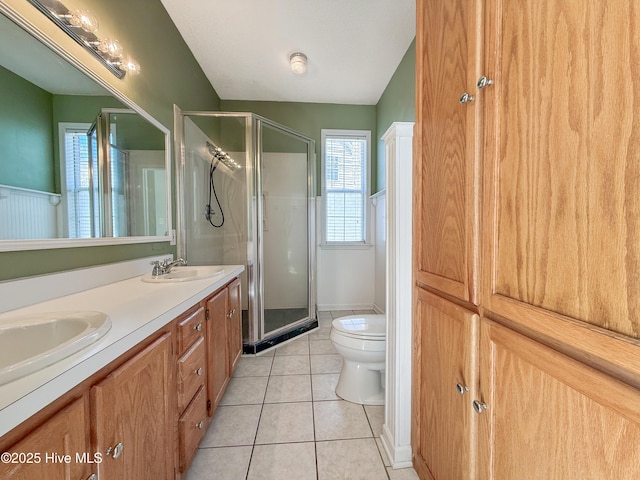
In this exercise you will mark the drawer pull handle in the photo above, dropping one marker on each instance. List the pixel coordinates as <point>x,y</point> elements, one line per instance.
<point>466,98</point>
<point>116,451</point>
<point>198,371</point>
<point>479,407</point>
<point>198,327</point>
<point>483,81</point>
<point>461,389</point>
<point>200,425</point>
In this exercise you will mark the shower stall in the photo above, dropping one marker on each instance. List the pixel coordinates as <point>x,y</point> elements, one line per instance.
<point>245,196</point>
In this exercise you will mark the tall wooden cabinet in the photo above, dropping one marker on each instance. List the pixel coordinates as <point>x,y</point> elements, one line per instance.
<point>446,225</point>
<point>527,240</point>
<point>446,346</point>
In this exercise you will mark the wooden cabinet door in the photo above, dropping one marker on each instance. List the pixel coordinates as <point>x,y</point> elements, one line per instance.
<point>235,324</point>
<point>445,346</point>
<point>132,408</point>
<point>562,156</point>
<point>549,416</point>
<point>217,357</point>
<point>65,434</point>
<point>446,161</point>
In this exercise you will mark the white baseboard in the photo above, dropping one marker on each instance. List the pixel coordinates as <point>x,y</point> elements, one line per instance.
<point>333,307</point>
<point>400,456</point>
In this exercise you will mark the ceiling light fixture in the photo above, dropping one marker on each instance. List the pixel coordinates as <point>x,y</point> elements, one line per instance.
<point>298,62</point>
<point>82,26</point>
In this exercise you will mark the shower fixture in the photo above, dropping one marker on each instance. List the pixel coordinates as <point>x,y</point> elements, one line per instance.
<point>222,156</point>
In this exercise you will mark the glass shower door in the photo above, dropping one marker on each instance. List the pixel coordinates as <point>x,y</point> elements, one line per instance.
<point>284,235</point>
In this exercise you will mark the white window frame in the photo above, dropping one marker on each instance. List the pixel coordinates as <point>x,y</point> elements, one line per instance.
<point>333,133</point>
<point>63,127</point>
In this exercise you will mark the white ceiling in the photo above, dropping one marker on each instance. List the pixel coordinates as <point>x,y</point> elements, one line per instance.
<point>243,46</point>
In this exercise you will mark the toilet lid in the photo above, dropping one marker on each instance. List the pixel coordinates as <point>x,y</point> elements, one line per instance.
<point>370,326</point>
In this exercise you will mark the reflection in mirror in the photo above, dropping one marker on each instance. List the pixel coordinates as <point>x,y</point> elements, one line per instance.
<point>75,161</point>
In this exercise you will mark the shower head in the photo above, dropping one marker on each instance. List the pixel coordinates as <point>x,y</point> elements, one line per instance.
<point>221,156</point>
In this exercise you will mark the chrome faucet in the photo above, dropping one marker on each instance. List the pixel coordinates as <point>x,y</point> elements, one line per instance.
<point>166,266</point>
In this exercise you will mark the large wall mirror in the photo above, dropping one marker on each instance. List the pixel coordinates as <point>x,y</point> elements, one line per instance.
<point>79,164</point>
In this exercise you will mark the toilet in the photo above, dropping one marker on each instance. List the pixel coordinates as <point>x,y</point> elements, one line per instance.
<point>361,341</point>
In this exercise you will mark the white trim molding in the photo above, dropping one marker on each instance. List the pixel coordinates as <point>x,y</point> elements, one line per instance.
<point>396,433</point>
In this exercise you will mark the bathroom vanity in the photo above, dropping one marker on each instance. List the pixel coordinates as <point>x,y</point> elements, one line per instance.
<point>136,403</point>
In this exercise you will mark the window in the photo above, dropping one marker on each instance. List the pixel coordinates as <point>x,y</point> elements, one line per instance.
<point>78,193</point>
<point>345,179</point>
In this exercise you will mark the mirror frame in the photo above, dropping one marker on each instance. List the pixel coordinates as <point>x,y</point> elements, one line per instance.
<point>55,243</point>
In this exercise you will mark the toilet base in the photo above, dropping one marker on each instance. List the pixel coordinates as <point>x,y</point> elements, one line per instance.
<point>361,383</point>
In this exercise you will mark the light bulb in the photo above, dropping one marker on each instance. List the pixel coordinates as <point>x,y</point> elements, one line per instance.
<point>130,65</point>
<point>112,47</point>
<point>84,20</point>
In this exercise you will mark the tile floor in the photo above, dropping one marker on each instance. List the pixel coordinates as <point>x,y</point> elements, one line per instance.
<point>280,419</point>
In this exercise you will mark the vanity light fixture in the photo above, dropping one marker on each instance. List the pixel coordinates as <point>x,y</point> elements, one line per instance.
<point>298,62</point>
<point>82,26</point>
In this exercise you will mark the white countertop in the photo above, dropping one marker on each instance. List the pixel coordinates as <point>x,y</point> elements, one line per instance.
<point>137,309</point>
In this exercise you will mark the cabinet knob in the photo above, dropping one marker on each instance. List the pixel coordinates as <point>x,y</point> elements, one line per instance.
<point>466,98</point>
<point>93,476</point>
<point>116,451</point>
<point>198,371</point>
<point>479,407</point>
<point>200,425</point>
<point>462,389</point>
<point>483,82</point>
<point>198,327</point>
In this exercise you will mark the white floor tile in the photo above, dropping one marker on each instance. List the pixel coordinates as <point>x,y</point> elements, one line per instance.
<point>290,365</point>
<point>223,463</point>
<point>375,415</point>
<point>288,388</point>
<point>253,367</point>
<point>383,454</point>
<point>402,474</point>
<point>232,426</point>
<point>340,420</point>
<point>340,313</point>
<point>295,461</point>
<point>349,459</point>
<point>286,423</point>
<point>322,333</point>
<point>300,346</point>
<point>322,347</point>
<point>245,391</point>
<point>326,364</point>
<point>323,386</point>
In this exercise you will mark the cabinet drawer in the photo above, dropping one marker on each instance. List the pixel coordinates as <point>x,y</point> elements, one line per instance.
<point>190,328</point>
<point>191,373</point>
<point>193,425</point>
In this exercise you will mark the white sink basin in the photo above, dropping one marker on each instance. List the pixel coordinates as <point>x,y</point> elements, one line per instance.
<point>32,342</point>
<point>185,274</point>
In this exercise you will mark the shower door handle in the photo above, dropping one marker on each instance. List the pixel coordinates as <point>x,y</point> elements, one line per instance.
<point>265,225</point>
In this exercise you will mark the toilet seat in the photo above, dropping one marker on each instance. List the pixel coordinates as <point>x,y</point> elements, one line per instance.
<point>371,327</point>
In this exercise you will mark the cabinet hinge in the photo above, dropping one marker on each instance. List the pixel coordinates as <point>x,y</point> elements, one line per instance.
<point>209,407</point>
<point>206,314</point>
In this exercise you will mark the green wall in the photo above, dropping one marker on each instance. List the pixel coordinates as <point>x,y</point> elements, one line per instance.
<point>397,104</point>
<point>26,134</point>
<point>169,74</point>
<point>310,118</point>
